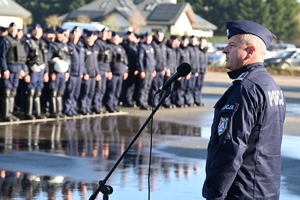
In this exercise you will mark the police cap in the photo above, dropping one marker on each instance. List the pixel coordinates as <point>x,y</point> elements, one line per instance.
<point>13,24</point>
<point>49,30</point>
<point>60,30</point>
<point>2,29</point>
<point>89,33</point>
<point>105,29</point>
<point>159,31</point>
<point>36,26</point>
<point>74,29</point>
<point>173,37</point>
<point>235,27</point>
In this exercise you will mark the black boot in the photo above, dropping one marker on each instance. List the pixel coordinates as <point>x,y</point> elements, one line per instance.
<point>37,106</point>
<point>53,107</point>
<point>59,104</point>
<point>6,114</point>
<point>29,105</point>
<point>12,105</point>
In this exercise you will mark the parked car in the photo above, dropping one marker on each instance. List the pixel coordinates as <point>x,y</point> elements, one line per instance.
<point>217,57</point>
<point>277,48</point>
<point>284,60</point>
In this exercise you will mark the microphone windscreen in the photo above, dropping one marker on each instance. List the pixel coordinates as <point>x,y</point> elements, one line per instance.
<point>184,69</point>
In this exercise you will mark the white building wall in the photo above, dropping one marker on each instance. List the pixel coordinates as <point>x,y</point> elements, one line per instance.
<point>6,20</point>
<point>182,26</point>
<point>116,22</point>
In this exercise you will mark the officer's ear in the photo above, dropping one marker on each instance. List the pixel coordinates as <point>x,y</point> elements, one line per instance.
<point>251,51</point>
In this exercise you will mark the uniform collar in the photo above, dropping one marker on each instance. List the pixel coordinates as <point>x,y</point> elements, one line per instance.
<point>235,74</point>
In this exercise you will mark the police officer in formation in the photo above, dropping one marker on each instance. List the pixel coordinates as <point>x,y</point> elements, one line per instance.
<point>91,73</point>
<point>82,71</point>
<point>59,56</point>
<point>119,70</point>
<point>130,45</point>
<point>37,62</point>
<point>76,70</point>
<point>104,60</point>
<point>13,58</point>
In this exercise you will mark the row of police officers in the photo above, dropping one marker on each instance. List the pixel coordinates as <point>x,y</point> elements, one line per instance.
<point>79,72</point>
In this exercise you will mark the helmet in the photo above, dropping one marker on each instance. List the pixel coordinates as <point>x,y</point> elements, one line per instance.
<point>37,68</point>
<point>61,66</point>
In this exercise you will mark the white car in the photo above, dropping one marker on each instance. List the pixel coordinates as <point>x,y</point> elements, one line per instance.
<point>216,58</point>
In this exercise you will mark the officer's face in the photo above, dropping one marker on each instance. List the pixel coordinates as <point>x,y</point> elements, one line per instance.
<point>185,42</point>
<point>236,53</point>
<point>160,36</point>
<point>37,33</point>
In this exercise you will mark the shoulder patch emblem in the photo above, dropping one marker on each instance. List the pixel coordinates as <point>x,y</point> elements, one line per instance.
<point>241,76</point>
<point>222,125</point>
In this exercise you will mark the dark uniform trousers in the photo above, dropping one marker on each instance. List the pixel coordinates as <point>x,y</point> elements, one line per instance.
<point>157,81</point>
<point>179,94</point>
<point>57,88</point>
<point>197,93</point>
<point>86,95</point>
<point>9,92</point>
<point>128,90</point>
<point>145,85</point>
<point>114,88</point>
<point>72,95</point>
<point>190,90</point>
<point>100,92</point>
<point>34,92</point>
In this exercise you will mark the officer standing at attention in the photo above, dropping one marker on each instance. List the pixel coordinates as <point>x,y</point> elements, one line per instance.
<point>76,72</point>
<point>244,151</point>
<point>104,60</point>
<point>12,65</point>
<point>194,62</point>
<point>147,71</point>
<point>59,65</point>
<point>160,52</point>
<point>180,86</point>
<point>119,71</point>
<point>203,64</point>
<point>37,62</point>
<point>130,46</point>
<point>90,74</point>
<point>172,60</point>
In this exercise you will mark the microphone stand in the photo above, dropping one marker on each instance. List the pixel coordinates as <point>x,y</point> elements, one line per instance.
<point>106,190</point>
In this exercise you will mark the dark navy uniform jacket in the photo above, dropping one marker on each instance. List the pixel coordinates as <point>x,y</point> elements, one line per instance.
<point>4,47</point>
<point>146,58</point>
<point>91,60</point>
<point>131,51</point>
<point>119,62</point>
<point>77,58</point>
<point>244,158</point>
<point>194,58</point>
<point>160,52</point>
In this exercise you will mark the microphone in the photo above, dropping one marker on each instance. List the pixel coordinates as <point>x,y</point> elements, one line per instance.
<point>182,70</point>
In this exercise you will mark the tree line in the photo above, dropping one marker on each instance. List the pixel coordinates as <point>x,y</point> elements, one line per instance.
<point>281,17</point>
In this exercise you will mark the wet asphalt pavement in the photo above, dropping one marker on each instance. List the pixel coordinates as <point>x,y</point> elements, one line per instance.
<point>65,159</point>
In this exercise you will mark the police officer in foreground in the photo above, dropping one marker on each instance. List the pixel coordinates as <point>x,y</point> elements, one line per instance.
<point>37,62</point>
<point>12,64</point>
<point>244,158</point>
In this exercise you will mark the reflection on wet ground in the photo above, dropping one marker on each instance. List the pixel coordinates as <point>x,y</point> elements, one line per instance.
<point>66,159</point>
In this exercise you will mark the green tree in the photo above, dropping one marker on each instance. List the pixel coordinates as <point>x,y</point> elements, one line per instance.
<point>283,18</point>
<point>41,9</point>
